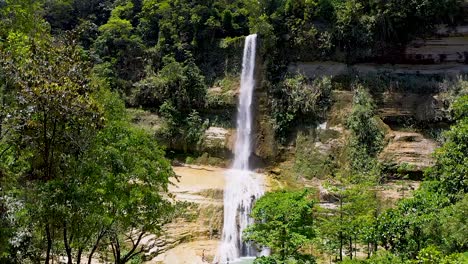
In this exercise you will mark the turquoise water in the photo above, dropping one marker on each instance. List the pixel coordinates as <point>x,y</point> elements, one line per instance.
<point>244,261</point>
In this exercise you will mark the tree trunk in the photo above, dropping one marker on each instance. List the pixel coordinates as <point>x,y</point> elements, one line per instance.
<point>133,251</point>
<point>341,226</point>
<point>78,256</point>
<point>90,256</point>
<point>96,245</point>
<point>283,245</point>
<point>67,245</point>
<point>368,250</point>
<point>116,249</point>
<point>350,247</point>
<point>355,245</point>
<point>49,244</point>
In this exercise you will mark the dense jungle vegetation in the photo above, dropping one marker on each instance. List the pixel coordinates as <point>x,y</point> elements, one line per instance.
<point>78,179</point>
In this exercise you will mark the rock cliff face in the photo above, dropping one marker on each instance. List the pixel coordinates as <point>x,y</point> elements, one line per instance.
<point>409,115</point>
<point>410,149</point>
<point>404,147</point>
<point>265,147</point>
<point>194,238</point>
<point>405,113</point>
<point>448,45</point>
<point>395,106</point>
<point>329,68</point>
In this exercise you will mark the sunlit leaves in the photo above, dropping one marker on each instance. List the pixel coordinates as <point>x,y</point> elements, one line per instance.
<point>283,222</point>
<point>451,171</point>
<point>367,136</point>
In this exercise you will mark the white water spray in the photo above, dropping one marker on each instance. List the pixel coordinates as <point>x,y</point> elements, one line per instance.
<point>242,185</point>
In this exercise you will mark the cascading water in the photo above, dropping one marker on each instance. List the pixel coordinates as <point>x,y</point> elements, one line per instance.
<point>242,185</point>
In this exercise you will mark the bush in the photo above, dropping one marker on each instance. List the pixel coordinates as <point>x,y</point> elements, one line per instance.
<point>299,99</point>
<point>182,84</point>
<point>284,223</point>
<point>309,161</point>
<point>367,137</point>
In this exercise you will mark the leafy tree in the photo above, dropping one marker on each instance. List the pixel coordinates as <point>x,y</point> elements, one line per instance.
<point>123,50</point>
<point>404,230</point>
<point>127,175</point>
<point>21,16</point>
<point>53,120</point>
<point>284,223</point>
<point>352,223</point>
<point>450,169</point>
<point>63,15</point>
<point>179,132</point>
<point>298,99</point>
<point>59,14</point>
<point>182,84</point>
<point>367,137</point>
<point>195,130</point>
<point>227,20</point>
<point>89,181</point>
<point>453,227</point>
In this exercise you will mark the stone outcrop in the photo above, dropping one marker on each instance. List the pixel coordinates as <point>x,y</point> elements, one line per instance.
<point>414,98</point>
<point>329,68</point>
<point>202,187</point>
<point>449,44</point>
<point>439,50</point>
<point>218,138</point>
<point>397,107</point>
<point>405,147</point>
<point>410,149</point>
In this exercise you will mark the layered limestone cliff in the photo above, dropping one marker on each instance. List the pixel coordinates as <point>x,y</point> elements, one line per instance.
<point>412,105</point>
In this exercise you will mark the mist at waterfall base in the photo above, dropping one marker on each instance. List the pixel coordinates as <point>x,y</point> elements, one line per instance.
<point>243,186</point>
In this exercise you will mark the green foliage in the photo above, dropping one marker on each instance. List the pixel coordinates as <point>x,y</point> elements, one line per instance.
<point>182,84</point>
<point>284,223</point>
<point>265,260</point>
<point>354,28</point>
<point>309,161</point>
<point>363,124</point>
<point>129,174</point>
<point>179,131</point>
<point>448,231</point>
<point>384,257</point>
<point>55,112</point>
<point>121,49</point>
<point>406,229</point>
<point>222,102</point>
<point>429,255</point>
<point>195,129</point>
<point>298,99</point>
<point>81,179</point>
<point>67,14</point>
<point>353,222</point>
<point>21,16</point>
<point>179,92</point>
<point>367,137</point>
<point>450,169</point>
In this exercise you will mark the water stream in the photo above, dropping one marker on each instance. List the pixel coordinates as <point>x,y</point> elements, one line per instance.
<point>243,186</point>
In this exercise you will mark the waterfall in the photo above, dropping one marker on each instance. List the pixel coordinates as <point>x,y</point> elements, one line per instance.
<point>243,146</point>
<point>242,185</point>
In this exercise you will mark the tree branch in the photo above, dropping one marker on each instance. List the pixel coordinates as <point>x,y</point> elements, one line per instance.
<point>131,254</point>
